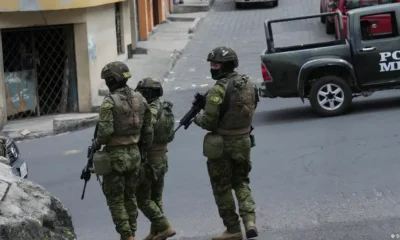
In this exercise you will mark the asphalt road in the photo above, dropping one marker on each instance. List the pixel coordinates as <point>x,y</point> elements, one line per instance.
<point>312,178</point>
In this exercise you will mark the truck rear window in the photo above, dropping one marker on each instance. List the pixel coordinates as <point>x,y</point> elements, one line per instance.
<point>353,4</point>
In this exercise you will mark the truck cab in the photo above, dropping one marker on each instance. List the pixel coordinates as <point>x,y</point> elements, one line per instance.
<point>380,24</point>
<point>332,73</point>
<point>375,55</point>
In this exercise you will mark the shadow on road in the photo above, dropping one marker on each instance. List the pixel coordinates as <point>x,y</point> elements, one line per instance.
<point>306,113</point>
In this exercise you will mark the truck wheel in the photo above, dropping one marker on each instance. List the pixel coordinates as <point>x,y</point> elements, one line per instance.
<point>330,96</point>
<point>329,27</point>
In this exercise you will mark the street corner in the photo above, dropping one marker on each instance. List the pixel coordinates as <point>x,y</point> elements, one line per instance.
<point>72,122</point>
<point>196,23</point>
<point>195,19</point>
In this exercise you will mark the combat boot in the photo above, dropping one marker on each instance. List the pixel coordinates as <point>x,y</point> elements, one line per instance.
<point>251,230</point>
<point>169,232</point>
<point>229,236</point>
<point>150,236</point>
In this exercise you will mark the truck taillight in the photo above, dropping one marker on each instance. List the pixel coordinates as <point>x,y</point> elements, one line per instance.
<point>265,74</point>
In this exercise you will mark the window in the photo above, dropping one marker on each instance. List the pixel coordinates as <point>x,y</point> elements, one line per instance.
<point>353,4</point>
<point>119,28</point>
<point>378,26</point>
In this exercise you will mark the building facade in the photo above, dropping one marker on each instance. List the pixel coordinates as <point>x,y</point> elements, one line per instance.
<point>52,51</point>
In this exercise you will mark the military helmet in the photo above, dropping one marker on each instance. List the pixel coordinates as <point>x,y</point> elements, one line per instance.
<point>150,88</point>
<point>115,70</point>
<point>222,55</point>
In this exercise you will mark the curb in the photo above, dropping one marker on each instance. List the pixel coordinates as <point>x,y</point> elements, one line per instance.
<point>60,125</point>
<point>176,55</point>
<point>181,19</point>
<point>18,137</point>
<point>196,24</point>
<point>68,125</point>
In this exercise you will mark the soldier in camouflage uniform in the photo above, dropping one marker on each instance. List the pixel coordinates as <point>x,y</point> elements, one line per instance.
<point>227,144</point>
<point>124,117</point>
<point>149,193</point>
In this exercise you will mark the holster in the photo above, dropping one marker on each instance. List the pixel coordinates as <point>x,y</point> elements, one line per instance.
<point>252,140</point>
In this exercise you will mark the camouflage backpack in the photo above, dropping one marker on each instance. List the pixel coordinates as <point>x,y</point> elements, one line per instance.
<point>164,128</point>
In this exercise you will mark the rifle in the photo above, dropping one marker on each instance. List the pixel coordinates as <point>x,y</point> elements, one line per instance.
<point>143,152</point>
<point>197,105</point>
<point>88,169</point>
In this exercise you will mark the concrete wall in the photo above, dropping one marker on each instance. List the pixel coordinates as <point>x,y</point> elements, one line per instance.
<point>103,42</point>
<point>95,43</point>
<point>43,5</point>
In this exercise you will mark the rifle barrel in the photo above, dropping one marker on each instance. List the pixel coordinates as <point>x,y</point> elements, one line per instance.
<point>83,192</point>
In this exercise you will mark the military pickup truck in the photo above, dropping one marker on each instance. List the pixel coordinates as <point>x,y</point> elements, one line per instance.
<point>332,73</point>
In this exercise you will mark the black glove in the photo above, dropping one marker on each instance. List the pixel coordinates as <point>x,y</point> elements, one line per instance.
<point>95,145</point>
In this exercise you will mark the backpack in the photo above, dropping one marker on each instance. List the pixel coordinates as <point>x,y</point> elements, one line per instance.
<point>165,125</point>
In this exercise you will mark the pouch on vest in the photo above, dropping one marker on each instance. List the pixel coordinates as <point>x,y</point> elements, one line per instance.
<point>101,163</point>
<point>213,145</point>
<point>164,128</point>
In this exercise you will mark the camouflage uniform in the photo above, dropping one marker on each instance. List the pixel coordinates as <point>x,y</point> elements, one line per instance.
<point>124,117</point>
<point>149,193</point>
<point>229,142</point>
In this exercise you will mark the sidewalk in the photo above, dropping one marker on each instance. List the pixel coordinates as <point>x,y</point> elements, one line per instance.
<point>163,48</point>
<point>154,58</point>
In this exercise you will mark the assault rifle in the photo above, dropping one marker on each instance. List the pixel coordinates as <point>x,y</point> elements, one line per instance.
<point>197,105</point>
<point>88,169</point>
<point>143,152</point>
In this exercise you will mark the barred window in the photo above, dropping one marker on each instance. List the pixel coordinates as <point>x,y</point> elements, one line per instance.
<point>119,28</point>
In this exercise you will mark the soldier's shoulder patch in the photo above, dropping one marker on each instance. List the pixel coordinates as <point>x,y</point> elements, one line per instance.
<point>215,99</point>
<point>106,105</point>
<point>153,110</point>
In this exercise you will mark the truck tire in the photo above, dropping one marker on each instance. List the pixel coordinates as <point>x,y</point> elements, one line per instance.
<point>330,96</point>
<point>329,27</point>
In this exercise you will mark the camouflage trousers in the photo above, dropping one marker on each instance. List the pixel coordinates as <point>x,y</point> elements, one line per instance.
<point>231,171</point>
<point>119,188</point>
<point>150,190</point>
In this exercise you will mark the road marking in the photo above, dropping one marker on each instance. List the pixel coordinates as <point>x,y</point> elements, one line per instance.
<point>71,152</point>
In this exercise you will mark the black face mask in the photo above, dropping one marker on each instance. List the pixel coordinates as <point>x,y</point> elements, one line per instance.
<point>215,74</point>
<point>226,68</point>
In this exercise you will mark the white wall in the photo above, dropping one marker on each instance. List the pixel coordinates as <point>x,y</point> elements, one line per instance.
<point>102,42</point>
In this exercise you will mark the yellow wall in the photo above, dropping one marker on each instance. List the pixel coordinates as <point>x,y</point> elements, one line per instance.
<point>42,5</point>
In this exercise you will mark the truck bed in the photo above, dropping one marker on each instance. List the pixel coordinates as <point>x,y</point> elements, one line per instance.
<point>284,64</point>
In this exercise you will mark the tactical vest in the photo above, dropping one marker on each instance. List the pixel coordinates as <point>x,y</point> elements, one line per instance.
<point>241,106</point>
<point>128,120</point>
<point>164,126</point>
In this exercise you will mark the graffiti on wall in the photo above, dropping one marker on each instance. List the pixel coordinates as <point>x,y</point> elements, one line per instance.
<point>92,49</point>
<point>20,91</point>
